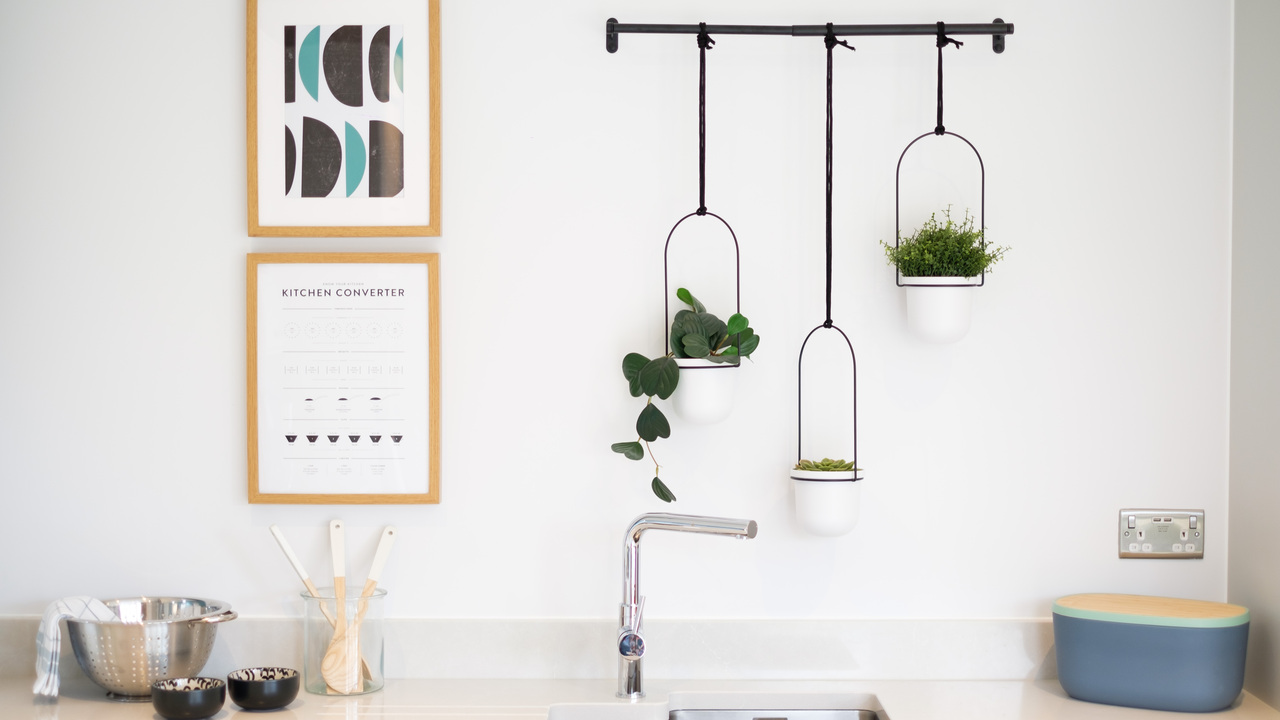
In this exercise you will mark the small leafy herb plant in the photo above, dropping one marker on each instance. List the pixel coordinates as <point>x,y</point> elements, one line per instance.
<point>944,249</point>
<point>695,333</point>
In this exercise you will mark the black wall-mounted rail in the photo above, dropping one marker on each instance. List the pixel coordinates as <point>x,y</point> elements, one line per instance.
<point>997,29</point>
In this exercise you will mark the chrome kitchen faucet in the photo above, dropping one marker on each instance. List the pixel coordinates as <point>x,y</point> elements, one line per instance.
<point>630,630</point>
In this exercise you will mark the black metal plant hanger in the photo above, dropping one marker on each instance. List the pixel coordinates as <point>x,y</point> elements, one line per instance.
<point>704,43</point>
<point>940,130</point>
<point>830,41</point>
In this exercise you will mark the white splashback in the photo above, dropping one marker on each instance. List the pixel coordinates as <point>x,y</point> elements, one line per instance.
<point>1095,375</point>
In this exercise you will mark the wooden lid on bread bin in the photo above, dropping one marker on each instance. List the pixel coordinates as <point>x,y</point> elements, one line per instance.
<point>1150,610</point>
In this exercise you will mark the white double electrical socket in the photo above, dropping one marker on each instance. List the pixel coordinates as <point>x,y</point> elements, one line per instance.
<point>1175,534</point>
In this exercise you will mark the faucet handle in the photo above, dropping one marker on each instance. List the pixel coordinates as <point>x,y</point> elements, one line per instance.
<point>630,639</point>
<point>630,644</point>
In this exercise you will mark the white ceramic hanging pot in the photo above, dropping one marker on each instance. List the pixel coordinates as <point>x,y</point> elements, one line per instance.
<point>827,502</point>
<point>705,392</point>
<point>939,308</point>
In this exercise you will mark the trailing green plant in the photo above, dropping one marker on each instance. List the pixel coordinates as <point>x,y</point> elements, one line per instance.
<point>944,249</point>
<point>826,465</point>
<point>695,333</point>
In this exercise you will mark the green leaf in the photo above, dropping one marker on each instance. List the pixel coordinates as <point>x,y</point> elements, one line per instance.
<point>633,450</point>
<point>712,327</point>
<point>652,424</point>
<point>737,323</point>
<point>662,491</point>
<point>725,357</point>
<point>688,298</point>
<point>659,377</point>
<point>678,331</point>
<point>747,342</point>
<point>631,365</point>
<point>695,346</point>
<point>685,322</point>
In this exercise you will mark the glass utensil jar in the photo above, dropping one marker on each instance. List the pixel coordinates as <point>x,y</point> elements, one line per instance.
<point>364,618</point>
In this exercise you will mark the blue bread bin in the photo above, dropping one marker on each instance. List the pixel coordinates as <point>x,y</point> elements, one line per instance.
<point>1150,652</point>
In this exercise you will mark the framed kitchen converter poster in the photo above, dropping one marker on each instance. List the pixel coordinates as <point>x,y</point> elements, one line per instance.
<point>343,117</point>
<point>343,378</point>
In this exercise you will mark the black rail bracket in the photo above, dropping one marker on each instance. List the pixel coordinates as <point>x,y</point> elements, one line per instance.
<point>997,41</point>
<point>611,36</point>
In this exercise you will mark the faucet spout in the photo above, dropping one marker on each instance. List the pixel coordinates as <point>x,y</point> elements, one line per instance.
<point>678,523</point>
<point>630,638</point>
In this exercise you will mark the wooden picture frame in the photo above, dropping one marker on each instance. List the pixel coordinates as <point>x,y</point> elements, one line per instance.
<point>343,122</point>
<point>343,378</point>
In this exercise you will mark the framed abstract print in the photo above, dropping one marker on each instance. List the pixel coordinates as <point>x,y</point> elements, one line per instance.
<point>343,131</point>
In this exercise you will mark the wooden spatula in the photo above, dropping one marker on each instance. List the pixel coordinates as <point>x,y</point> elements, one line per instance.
<point>375,571</point>
<point>340,667</point>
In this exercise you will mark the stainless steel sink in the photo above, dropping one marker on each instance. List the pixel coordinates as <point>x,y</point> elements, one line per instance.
<point>773,715</point>
<point>730,705</point>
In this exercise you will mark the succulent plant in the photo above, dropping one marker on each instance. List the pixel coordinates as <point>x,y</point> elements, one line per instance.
<point>826,465</point>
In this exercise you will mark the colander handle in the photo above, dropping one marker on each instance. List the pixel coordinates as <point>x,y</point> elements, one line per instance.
<point>223,617</point>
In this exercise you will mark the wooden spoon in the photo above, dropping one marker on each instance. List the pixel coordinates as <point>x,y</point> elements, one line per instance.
<point>340,667</point>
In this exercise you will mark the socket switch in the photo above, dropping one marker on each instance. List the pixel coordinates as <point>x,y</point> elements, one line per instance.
<point>1174,534</point>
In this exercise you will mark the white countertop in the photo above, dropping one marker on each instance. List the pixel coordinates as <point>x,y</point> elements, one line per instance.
<point>490,699</point>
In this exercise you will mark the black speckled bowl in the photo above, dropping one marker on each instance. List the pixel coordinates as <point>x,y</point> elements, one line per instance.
<point>188,698</point>
<point>263,688</point>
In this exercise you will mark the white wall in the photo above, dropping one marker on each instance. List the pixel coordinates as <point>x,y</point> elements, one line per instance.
<point>1095,376</point>
<point>1255,343</point>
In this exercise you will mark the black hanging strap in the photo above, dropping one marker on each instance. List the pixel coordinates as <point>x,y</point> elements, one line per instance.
<point>942,42</point>
<point>704,40</point>
<point>830,42</point>
<point>704,44</point>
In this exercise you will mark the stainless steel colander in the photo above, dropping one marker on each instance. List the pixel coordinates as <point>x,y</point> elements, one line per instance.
<point>156,638</point>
